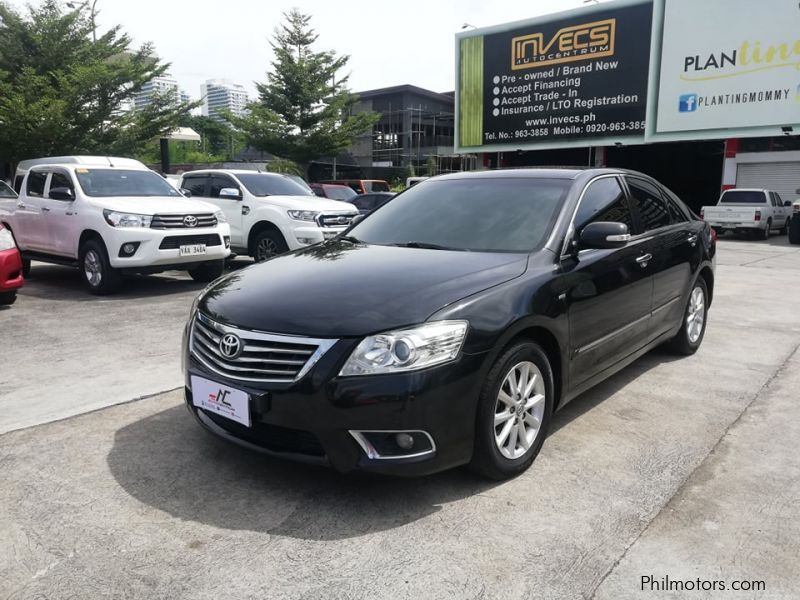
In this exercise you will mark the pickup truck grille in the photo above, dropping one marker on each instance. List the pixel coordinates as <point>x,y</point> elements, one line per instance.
<point>334,220</point>
<point>188,221</point>
<point>172,242</point>
<point>257,356</point>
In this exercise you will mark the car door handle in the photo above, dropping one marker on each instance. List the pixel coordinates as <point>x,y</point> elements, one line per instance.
<point>692,239</point>
<point>20,205</point>
<point>45,209</point>
<point>644,259</point>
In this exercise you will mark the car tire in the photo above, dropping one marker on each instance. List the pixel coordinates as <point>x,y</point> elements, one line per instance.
<point>785,229</point>
<point>98,275</point>
<point>496,443</point>
<point>764,233</point>
<point>208,271</point>
<point>794,231</point>
<point>691,333</point>
<point>26,268</point>
<point>267,244</point>
<point>8,298</point>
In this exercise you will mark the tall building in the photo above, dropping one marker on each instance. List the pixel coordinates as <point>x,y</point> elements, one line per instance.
<point>162,85</point>
<point>223,94</point>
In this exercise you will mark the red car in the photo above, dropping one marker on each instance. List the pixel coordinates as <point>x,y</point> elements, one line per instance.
<point>10,267</point>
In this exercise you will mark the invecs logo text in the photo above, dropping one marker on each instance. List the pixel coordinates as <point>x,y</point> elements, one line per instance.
<point>577,42</point>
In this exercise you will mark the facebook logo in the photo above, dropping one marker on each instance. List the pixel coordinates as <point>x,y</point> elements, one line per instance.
<point>687,103</point>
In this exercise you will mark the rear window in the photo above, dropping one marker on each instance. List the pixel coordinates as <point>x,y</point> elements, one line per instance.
<point>743,197</point>
<point>376,186</point>
<point>6,192</point>
<point>339,193</point>
<point>264,184</point>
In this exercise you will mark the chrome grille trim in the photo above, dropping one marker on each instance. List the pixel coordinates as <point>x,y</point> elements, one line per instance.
<point>176,221</point>
<point>297,354</point>
<point>332,219</point>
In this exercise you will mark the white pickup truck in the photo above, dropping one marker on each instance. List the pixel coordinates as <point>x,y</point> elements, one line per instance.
<point>108,216</point>
<point>742,210</point>
<point>269,213</point>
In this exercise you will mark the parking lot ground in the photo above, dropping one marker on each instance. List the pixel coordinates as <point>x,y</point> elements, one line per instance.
<point>677,467</point>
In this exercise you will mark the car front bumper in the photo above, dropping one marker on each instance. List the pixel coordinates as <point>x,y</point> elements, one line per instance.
<point>158,247</point>
<point>311,420</point>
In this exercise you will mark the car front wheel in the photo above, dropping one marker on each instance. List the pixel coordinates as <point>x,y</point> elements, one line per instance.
<point>7,298</point>
<point>268,244</point>
<point>514,412</point>
<point>98,274</point>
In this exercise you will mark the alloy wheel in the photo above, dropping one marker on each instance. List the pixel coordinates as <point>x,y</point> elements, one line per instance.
<point>519,410</point>
<point>266,248</point>
<point>92,268</point>
<point>696,315</point>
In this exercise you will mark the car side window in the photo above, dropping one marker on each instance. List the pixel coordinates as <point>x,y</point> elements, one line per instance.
<point>61,180</point>
<point>196,185</point>
<point>603,200</point>
<point>219,182</point>
<point>778,199</point>
<point>35,186</point>
<point>648,202</point>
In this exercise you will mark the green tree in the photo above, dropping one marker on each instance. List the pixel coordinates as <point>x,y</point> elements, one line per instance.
<point>62,93</point>
<point>304,111</point>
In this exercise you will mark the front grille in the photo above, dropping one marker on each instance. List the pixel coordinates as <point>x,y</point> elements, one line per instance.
<point>180,221</point>
<point>335,220</point>
<point>272,437</point>
<point>171,242</point>
<point>264,356</point>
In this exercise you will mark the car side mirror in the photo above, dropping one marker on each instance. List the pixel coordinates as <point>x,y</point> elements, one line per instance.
<point>604,234</point>
<point>186,193</point>
<point>232,193</point>
<point>62,193</point>
<point>357,219</point>
<point>787,204</point>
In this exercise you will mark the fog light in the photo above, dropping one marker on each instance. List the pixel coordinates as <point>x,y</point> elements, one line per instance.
<point>128,249</point>
<point>405,441</point>
<point>227,239</point>
<point>306,241</point>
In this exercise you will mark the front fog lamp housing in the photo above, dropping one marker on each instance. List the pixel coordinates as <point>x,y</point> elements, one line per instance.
<point>410,349</point>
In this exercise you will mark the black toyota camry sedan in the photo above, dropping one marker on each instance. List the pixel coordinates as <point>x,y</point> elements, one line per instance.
<point>447,326</point>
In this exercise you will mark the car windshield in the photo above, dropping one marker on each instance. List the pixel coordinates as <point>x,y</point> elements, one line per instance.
<point>340,193</point>
<point>301,182</point>
<point>479,214</point>
<point>6,192</point>
<point>264,184</point>
<point>109,183</point>
<point>743,197</point>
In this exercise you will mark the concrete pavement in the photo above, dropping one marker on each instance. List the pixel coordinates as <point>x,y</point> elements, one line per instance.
<point>678,467</point>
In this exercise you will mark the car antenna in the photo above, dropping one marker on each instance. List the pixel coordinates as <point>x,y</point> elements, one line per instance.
<point>110,164</point>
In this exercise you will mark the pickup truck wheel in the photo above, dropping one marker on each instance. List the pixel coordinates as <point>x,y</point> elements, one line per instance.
<point>208,271</point>
<point>268,244</point>
<point>98,274</point>
<point>695,317</point>
<point>514,411</point>
<point>8,298</point>
<point>764,233</point>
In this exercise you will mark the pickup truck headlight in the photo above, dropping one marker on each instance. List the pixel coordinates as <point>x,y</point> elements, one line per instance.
<point>303,215</point>
<point>220,217</point>
<point>6,240</point>
<point>410,349</point>
<point>120,219</point>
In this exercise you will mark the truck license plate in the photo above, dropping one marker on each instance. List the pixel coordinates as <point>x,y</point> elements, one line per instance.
<point>193,249</point>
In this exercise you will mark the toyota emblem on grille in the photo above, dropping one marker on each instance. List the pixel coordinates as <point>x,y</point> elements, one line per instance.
<point>230,346</point>
<point>190,221</point>
<point>343,220</point>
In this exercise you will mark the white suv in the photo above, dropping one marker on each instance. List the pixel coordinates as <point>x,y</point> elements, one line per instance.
<point>269,213</point>
<point>108,219</point>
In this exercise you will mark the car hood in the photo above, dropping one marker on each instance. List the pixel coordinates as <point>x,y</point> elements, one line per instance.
<point>340,289</point>
<point>311,203</point>
<point>162,205</point>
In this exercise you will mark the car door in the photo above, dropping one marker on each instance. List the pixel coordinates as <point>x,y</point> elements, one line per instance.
<point>232,207</point>
<point>608,291</point>
<point>781,210</point>
<point>60,217</point>
<point>30,228</point>
<point>675,247</point>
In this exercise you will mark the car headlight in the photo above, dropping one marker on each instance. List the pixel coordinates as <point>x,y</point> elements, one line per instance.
<point>410,349</point>
<point>220,217</point>
<point>120,219</point>
<point>303,215</point>
<point>6,240</point>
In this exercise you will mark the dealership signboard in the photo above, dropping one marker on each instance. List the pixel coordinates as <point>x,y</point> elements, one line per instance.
<point>576,78</point>
<point>728,68</point>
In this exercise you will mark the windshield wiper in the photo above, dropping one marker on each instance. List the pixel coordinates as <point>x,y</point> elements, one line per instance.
<point>351,239</point>
<point>427,246</point>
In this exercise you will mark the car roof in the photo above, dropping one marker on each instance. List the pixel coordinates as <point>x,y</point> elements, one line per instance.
<point>567,172</point>
<point>746,190</point>
<point>234,172</point>
<point>93,161</point>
